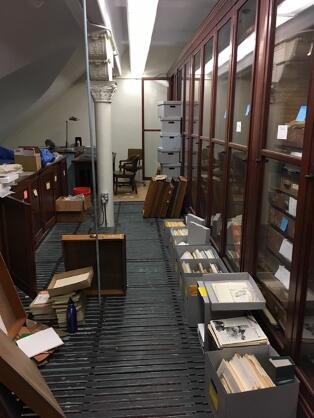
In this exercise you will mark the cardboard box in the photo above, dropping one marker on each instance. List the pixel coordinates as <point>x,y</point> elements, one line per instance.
<point>28,162</point>
<point>83,284</point>
<point>275,402</point>
<point>64,205</point>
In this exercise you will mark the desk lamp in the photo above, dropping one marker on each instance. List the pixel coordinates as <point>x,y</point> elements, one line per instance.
<point>73,119</point>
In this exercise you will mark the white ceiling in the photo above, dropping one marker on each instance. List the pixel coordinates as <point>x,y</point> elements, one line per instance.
<point>176,23</point>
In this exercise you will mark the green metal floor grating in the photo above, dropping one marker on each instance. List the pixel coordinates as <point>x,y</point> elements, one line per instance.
<point>135,356</point>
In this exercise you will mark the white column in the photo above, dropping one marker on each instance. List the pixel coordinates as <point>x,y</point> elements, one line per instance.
<point>102,93</point>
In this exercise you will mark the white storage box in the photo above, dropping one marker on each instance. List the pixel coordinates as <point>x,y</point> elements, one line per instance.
<point>169,109</point>
<point>171,170</point>
<point>167,156</point>
<point>170,127</point>
<point>173,142</point>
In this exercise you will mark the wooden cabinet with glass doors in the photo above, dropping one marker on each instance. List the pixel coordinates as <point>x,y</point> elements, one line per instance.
<point>254,170</point>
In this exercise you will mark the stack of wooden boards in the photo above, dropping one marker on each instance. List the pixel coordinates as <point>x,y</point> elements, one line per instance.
<point>165,197</point>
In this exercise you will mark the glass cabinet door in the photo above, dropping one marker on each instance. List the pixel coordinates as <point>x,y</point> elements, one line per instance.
<point>204,179</point>
<point>235,208</point>
<point>276,235</point>
<point>291,68</point>
<point>218,169</point>
<point>196,102</point>
<point>223,70</point>
<point>246,39</point>
<point>208,81</point>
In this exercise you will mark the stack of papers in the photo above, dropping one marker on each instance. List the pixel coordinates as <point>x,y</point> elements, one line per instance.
<point>179,232</point>
<point>237,332</point>
<point>198,254</point>
<point>41,307</point>
<point>174,224</point>
<point>7,180</point>
<point>243,373</point>
<point>200,268</point>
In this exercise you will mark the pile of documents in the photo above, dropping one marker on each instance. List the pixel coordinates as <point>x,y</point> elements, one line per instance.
<point>183,232</point>
<point>200,268</point>
<point>243,373</point>
<point>236,332</point>
<point>41,307</point>
<point>197,254</point>
<point>8,179</point>
<point>174,224</point>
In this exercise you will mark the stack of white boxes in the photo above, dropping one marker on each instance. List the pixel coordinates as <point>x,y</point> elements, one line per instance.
<point>169,151</point>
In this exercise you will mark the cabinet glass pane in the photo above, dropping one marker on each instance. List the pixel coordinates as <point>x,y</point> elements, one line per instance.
<point>244,72</point>
<point>208,79</point>
<point>195,146</point>
<point>218,191</point>
<point>236,193</point>
<point>276,234</point>
<point>307,340</point>
<point>204,179</point>
<point>187,97</point>
<point>196,104</point>
<point>179,85</point>
<point>290,76</point>
<point>224,56</point>
<point>151,143</point>
<point>186,155</point>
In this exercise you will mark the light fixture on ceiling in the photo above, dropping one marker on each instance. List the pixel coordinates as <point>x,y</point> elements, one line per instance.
<point>141,20</point>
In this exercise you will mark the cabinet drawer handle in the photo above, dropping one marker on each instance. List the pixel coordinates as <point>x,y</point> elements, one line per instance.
<point>64,173</point>
<point>56,179</point>
<point>35,192</point>
<point>48,185</point>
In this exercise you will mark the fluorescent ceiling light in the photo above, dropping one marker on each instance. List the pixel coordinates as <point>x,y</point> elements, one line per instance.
<point>290,8</point>
<point>141,20</point>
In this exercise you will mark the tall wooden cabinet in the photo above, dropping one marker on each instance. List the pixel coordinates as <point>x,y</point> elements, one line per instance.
<point>248,100</point>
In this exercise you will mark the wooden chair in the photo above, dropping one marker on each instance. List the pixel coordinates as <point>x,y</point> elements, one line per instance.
<point>127,172</point>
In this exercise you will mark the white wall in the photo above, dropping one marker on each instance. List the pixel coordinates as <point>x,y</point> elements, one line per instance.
<point>50,122</point>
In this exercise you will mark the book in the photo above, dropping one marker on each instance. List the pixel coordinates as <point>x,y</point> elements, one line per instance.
<point>235,332</point>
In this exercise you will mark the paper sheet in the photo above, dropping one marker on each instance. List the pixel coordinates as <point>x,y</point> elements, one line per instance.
<point>282,132</point>
<point>292,206</point>
<point>283,275</point>
<point>238,291</point>
<point>280,362</point>
<point>2,326</point>
<point>42,298</point>
<point>285,249</point>
<point>71,280</point>
<point>40,342</point>
<point>239,126</point>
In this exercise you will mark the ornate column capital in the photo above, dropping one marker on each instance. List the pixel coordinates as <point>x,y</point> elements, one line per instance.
<point>102,92</point>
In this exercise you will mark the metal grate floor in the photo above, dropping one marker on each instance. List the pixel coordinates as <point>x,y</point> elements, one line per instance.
<point>135,356</point>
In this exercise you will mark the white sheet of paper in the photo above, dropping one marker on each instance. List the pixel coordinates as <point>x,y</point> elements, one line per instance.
<point>232,292</point>
<point>292,206</point>
<point>41,298</point>
<point>40,342</point>
<point>71,280</point>
<point>2,326</point>
<point>283,275</point>
<point>285,249</point>
<point>282,132</point>
<point>239,126</point>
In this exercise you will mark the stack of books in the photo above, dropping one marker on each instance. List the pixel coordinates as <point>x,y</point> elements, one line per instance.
<point>60,304</point>
<point>174,224</point>
<point>236,332</point>
<point>66,286</point>
<point>41,307</point>
<point>179,232</point>
<point>197,254</point>
<point>243,373</point>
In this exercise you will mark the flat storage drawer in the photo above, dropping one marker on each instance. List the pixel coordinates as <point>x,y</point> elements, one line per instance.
<point>169,109</point>
<point>171,170</point>
<point>167,156</point>
<point>172,142</point>
<point>170,127</point>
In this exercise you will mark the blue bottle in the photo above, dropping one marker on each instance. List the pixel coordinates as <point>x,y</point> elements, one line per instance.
<point>71,317</point>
